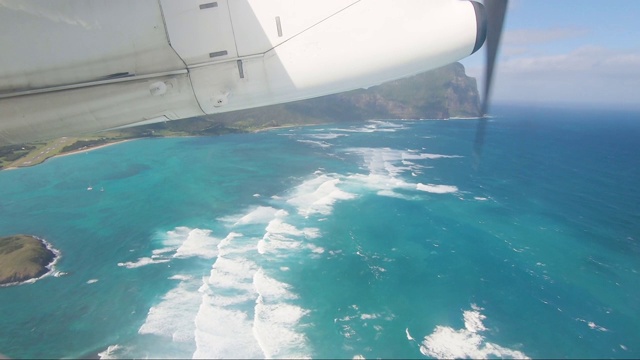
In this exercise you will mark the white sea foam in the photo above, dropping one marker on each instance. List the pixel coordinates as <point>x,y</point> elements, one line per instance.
<point>199,243</point>
<point>162,251</point>
<point>383,184</point>
<point>174,238</point>
<point>392,162</point>
<point>272,243</point>
<point>385,166</point>
<point>224,321</point>
<point>227,246</point>
<point>276,320</point>
<point>180,277</point>
<point>436,189</point>
<point>318,195</point>
<point>143,261</point>
<point>369,316</point>
<point>315,249</point>
<point>224,334</point>
<point>593,325</point>
<point>258,215</point>
<point>234,273</point>
<point>448,343</point>
<point>182,241</point>
<point>327,136</point>
<point>386,123</point>
<point>322,144</point>
<point>409,337</point>
<point>278,226</point>
<point>375,126</point>
<point>172,318</point>
<point>112,352</point>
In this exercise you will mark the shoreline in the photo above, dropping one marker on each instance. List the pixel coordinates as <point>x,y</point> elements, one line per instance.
<point>57,254</point>
<point>74,152</point>
<point>116,142</point>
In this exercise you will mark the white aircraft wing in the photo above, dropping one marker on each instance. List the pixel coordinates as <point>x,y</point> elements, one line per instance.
<point>75,66</point>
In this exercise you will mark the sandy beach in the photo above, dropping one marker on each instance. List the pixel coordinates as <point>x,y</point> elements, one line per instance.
<point>92,148</point>
<point>22,165</point>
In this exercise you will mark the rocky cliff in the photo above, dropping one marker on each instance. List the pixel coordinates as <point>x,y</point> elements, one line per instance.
<point>438,94</point>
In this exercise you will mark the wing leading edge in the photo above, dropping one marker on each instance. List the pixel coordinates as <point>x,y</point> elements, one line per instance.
<point>76,67</point>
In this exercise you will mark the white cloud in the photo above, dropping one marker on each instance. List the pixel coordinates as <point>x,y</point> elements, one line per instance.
<point>537,36</point>
<point>589,74</point>
<point>587,60</point>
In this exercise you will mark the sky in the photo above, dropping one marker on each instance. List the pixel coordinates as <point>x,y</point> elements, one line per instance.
<point>582,52</point>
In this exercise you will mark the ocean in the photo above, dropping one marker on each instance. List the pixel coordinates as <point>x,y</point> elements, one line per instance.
<point>378,239</point>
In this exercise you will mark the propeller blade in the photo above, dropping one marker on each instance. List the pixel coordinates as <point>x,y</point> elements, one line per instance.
<point>495,10</point>
<point>495,13</point>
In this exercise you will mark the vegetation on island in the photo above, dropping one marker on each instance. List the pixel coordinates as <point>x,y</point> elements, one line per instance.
<point>438,94</point>
<point>23,257</point>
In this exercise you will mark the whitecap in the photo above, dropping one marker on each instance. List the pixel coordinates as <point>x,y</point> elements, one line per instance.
<point>224,333</point>
<point>322,144</point>
<point>276,319</point>
<point>272,243</point>
<point>318,195</point>
<point>223,324</point>
<point>409,337</point>
<point>592,325</point>
<point>180,277</point>
<point>256,215</point>
<point>436,189</point>
<point>172,318</point>
<point>278,226</point>
<point>327,136</point>
<point>369,316</point>
<point>393,162</point>
<point>447,343</point>
<point>143,261</point>
<point>199,243</point>
<point>112,352</point>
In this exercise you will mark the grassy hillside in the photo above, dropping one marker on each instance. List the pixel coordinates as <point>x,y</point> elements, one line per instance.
<point>23,257</point>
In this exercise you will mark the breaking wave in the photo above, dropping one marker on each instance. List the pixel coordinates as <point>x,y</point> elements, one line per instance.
<point>468,343</point>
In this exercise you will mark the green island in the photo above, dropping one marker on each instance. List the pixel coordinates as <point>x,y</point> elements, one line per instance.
<point>22,258</point>
<point>442,93</point>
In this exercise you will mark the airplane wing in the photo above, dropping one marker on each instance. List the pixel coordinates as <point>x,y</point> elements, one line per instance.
<point>75,66</point>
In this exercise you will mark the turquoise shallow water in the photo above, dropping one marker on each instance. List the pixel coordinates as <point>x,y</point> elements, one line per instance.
<point>376,239</point>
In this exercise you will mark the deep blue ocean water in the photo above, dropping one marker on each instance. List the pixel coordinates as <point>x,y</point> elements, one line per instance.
<point>377,239</point>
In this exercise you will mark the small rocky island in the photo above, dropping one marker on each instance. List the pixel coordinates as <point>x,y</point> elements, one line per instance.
<point>23,258</point>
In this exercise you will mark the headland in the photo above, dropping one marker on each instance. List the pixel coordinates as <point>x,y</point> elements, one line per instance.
<point>25,258</point>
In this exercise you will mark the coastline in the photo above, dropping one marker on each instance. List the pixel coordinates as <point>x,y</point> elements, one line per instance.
<point>74,152</point>
<point>283,127</point>
<point>116,142</point>
<point>57,254</point>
